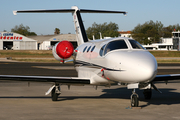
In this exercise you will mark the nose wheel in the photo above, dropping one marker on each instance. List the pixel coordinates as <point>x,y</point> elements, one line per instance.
<point>134,99</point>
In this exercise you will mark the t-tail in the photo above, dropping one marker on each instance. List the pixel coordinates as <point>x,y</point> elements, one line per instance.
<point>78,23</point>
<point>79,26</point>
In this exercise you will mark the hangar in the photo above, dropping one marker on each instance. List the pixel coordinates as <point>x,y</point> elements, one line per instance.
<point>45,42</point>
<point>15,41</point>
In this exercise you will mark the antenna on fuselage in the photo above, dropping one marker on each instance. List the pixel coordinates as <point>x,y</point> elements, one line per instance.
<point>93,37</point>
<point>100,35</point>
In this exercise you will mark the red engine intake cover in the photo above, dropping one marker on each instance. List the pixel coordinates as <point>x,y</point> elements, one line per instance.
<point>64,49</point>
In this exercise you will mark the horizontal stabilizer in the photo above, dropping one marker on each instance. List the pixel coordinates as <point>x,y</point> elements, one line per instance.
<point>101,11</point>
<point>67,11</point>
<point>44,11</point>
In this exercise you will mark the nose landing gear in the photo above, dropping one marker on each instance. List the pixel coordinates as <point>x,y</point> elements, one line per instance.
<point>134,99</point>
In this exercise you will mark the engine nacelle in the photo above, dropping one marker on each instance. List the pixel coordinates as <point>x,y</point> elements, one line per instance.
<point>62,50</point>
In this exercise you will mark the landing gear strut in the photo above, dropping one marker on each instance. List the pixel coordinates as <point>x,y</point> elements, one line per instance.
<point>134,99</point>
<point>55,92</point>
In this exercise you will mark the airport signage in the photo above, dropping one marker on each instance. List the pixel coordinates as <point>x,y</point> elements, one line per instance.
<point>10,38</point>
<point>8,34</point>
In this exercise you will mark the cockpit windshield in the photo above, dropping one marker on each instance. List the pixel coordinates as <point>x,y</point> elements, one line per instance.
<point>135,44</point>
<point>118,44</point>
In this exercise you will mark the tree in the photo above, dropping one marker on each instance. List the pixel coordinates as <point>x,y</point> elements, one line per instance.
<point>23,30</point>
<point>167,31</point>
<point>57,31</point>
<point>150,29</point>
<point>107,30</point>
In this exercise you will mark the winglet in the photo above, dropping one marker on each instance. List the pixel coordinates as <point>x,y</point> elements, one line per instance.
<point>125,14</point>
<point>15,12</point>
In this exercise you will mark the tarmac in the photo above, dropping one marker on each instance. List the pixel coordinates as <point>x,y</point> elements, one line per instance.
<point>20,100</point>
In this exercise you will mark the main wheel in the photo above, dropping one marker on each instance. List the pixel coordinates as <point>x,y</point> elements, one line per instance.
<point>134,101</point>
<point>147,94</point>
<point>54,95</point>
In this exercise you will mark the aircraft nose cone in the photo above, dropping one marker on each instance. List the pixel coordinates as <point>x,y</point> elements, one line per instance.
<point>135,66</point>
<point>147,69</point>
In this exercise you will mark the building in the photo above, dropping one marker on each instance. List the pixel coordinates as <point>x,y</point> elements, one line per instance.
<point>125,34</point>
<point>45,42</point>
<point>15,41</point>
<point>176,40</point>
<point>166,44</point>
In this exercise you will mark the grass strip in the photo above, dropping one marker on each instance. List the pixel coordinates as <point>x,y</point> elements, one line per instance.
<point>168,61</point>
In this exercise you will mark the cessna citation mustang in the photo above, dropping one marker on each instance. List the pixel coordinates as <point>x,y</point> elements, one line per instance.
<point>105,62</point>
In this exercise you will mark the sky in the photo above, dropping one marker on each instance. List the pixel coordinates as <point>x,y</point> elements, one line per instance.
<point>139,12</point>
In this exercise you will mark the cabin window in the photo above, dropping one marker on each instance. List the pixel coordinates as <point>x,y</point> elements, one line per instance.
<point>101,50</point>
<point>88,48</point>
<point>135,44</point>
<point>84,49</point>
<point>118,44</point>
<point>93,48</point>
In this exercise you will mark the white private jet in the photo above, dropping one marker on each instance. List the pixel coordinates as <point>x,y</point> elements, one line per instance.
<point>105,62</point>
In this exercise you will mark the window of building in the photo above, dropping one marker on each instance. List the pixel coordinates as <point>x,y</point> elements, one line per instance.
<point>162,46</point>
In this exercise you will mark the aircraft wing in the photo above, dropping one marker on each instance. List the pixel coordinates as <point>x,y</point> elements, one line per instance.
<point>66,80</point>
<point>167,77</point>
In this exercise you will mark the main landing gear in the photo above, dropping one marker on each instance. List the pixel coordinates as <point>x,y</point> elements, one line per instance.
<point>55,92</point>
<point>147,94</point>
<point>134,99</point>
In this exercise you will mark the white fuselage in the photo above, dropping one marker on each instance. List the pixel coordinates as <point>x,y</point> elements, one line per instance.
<point>124,64</point>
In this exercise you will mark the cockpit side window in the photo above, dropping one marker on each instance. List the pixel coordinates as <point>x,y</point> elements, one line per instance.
<point>101,50</point>
<point>118,44</point>
<point>136,45</point>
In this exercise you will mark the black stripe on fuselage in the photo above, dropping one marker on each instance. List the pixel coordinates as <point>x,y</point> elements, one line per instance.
<point>90,65</point>
<point>81,26</point>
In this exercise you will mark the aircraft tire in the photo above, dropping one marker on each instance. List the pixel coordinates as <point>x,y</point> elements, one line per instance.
<point>134,101</point>
<point>147,94</point>
<point>54,96</point>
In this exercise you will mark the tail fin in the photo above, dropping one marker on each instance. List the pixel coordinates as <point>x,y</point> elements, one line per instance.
<point>79,26</point>
<point>78,23</point>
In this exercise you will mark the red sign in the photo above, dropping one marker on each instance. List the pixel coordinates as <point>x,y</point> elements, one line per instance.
<point>10,38</point>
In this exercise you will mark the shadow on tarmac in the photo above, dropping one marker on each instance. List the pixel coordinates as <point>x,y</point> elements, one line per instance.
<point>168,96</point>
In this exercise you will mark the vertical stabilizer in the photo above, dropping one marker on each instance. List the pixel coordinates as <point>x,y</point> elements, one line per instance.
<point>79,27</point>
